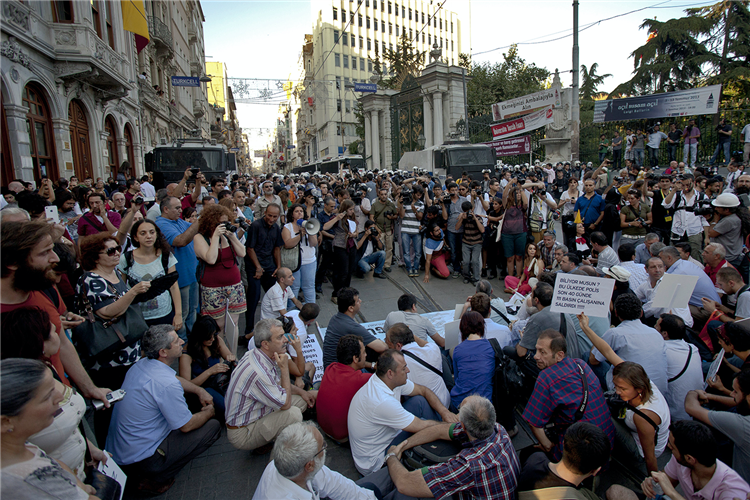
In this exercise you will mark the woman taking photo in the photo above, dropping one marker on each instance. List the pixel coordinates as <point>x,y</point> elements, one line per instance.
<point>293,234</point>
<point>204,358</point>
<point>568,203</point>
<point>152,256</point>
<point>636,439</point>
<point>491,246</point>
<point>344,227</point>
<point>29,401</point>
<point>533,267</point>
<point>217,250</point>
<point>473,360</point>
<point>515,203</point>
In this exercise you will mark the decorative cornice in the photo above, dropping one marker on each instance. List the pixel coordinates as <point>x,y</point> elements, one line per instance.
<point>12,50</point>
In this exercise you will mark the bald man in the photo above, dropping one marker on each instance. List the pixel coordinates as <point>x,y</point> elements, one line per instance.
<point>16,187</point>
<point>277,297</point>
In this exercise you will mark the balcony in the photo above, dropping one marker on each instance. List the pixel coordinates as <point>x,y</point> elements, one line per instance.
<point>161,36</point>
<point>199,108</point>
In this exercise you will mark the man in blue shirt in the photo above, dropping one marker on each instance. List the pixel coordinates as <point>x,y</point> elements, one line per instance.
<point>153,434</point>
<point>179,233</point>
<point>591,206</point>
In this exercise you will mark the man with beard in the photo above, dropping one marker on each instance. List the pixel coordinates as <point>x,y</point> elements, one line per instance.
<point>98,219</point>
<point>27,268</point>
<point>736,426</point>
<point>297,469</point>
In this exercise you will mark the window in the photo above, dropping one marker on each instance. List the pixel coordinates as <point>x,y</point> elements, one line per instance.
<point>383,46</point>
<point>411,34</point>
<point>434,21</point>
<point>390,28</point>
<point>390,11</point>
<point>343,16</point>
<point>429,39</point>
<point>451,26</point>
<point>397,30</point>
<point>361,43</point>
<point>354,63</point>
<point>422,17</point>
<point>354,41</point>
<point>346,61</point>
<point>346,82</point>
<point>345,39</point>
<point>338,105</point>
<point>348,106</point>
<point>336,60</point>
<point>367,3</point>
<point>374,4</point>
<point>368,23</point>
<point>62,11</point>
<point>39,126</point>
<point>359,18</point>
<point>423,37</point>
<point>335,37</point>
<point>369,66</point>
<point>362,63</point>
<point>441,43</point>
<point>452,46</point>
<point>441,23</point>
<point>403,11</point>
<point>369,44</point>
<point>390,46</point>
<point>376,25</point>
<point>382,26</point>
<point>108,24</point>
<point>409,14</point>
<point>335,13</point>
<point>338,82</point>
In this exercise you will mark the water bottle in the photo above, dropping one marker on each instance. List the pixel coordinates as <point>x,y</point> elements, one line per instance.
<point>658,492</point>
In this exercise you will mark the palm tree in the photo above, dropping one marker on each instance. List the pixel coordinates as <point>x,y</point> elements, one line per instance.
<point>590,81</point>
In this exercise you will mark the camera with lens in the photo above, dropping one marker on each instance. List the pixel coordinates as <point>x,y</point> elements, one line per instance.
<point>701,208</point>
<point>374,231</point>
<point>389,213</point>
<point>241,222</point>
<point>230,227</point>
<point>447,199</point>
<point>644,222</point>
<point>356,196</point>
<point>195,171</point>
<point>138,200</point>
<point>617,179</point>
<point>406,196</point>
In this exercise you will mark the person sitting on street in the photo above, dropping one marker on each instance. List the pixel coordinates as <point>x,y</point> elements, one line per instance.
<point>377,418</point>
<point>480,302</point>
<point>647,292</point>
<point>343,323</point>
<point>421,327</point>
<point>153,434</point>
<point>261,400</point>
<point>486,467</point>
<point>473,360</point>
<point>276,298</point>
<point>585,450</point>
<point>370,253</point>
<point>557,398</point>
<point>297,469</point>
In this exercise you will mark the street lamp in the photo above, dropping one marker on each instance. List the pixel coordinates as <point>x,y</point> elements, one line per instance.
<point>421,140</point>
<point>205,79</point>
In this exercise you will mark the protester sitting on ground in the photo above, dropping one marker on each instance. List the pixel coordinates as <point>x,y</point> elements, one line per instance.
<point>642,253</point>
<point>637,442</point>
<point>343,323</point>
<point>735,340</point>
<point>734,424</point>
<point>370,253</point>
<point>622,286</point>
<point>206,358</point>
<point>714,256</point>
<point>637,271</point>
<point>559,393</point>
<point>730,281</point>
<point>585,450</point>
<point>341,381</point>
<point>606,257</point>
<point>400,338</point>
<point>153,434</point>
<point>633,341</point>
<point>275,300</point>
<point>569,262</point>
<point>473,360</point>
<point>377,419</point>
<point>28,404</point>
<point>301,372</point>
<point>486,467</point>
<point>685,249</point>
<point>480,302</point>
<point>261,400</point>
<point>647,292</point>
<point>297,469</point>
<point>560,252</point>
<point>421,327</point>
<point>496,304</point>
<point>684,369</point>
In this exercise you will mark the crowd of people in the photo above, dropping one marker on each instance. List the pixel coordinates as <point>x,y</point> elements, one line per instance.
<point>137,290</point>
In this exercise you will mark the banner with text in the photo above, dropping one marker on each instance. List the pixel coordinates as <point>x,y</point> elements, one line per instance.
<point>510,147</point>
<point>699,101</point>
<point>576,294</point>
<point>526,104</point>
<point>522,125</point>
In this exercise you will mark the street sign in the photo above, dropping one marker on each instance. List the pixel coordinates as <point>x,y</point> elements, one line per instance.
<point>234,150</point>
<point>186,81</point>
<point>365,87</point>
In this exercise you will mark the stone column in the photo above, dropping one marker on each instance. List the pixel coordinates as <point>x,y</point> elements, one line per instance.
<point>437,118</point>
<point>20,143</point>
<point>375,140</point>
<point>62,138</point>
<point>368,141</point>
<point>427,109</point>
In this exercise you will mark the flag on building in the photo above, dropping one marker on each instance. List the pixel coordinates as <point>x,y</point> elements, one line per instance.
<point>134,20</point>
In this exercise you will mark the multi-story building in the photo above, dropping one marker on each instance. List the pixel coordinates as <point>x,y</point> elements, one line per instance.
<point>347,36</point>
<point>225,127</point>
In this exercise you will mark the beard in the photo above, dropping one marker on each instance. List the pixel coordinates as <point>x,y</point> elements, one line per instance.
<point>742,190</point>
<point>30,279</point>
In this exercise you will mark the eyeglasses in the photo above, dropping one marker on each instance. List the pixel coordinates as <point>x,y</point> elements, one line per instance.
<point>112,250</point>
<point>325,446</point>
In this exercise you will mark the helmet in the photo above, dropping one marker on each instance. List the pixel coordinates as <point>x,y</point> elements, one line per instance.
<point>726,200</point>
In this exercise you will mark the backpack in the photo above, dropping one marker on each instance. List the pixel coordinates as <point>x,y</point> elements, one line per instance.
<point>508,380</point>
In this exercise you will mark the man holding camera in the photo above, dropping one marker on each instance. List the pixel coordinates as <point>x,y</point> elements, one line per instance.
<point>471,243</point>
<point>370,252</point>
<point>540,203</point>
<point>686,225</point>
<point>384,213</point>
<point>451,210</point>
<point>411,211</point>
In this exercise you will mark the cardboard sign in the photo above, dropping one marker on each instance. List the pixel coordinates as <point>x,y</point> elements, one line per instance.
<point>576,294</point>
<point>314,354</point>
<point>674,291</point>
<point>112,470</point>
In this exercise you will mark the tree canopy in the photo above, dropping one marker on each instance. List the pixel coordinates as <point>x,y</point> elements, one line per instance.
<point>402,62</point>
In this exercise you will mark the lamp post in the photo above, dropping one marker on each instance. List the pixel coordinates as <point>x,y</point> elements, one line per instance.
<point>421,140</point>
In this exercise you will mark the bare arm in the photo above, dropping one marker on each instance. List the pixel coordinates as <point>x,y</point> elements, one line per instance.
<point>435,404</point>
<point>185,238</point>
<point>647,437</point>
<point>377,345</point>
<point>598,342</point>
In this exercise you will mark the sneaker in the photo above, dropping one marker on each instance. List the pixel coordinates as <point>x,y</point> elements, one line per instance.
<point>380,275</point>
<point>335,300</point>
<point>387,269</point>
<point>467,280</point>
<point>456,274</point>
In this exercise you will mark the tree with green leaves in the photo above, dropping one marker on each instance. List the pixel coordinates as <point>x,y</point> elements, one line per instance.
<point>590,81</point>
<point>397,64</point>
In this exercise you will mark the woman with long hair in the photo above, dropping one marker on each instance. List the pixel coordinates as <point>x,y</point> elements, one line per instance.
<point>473,360</point>
<point>295,234</point>
<point>533,267</point>
<point>515,228</point>
<point>568,202</point>
<point>491,246</point>
<point>218,249</point>
<point>152,257</point>
<point>611,219</point>
<point>344,227</point>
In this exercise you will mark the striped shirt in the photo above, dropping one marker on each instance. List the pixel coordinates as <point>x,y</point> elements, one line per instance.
<point>472,236</point>
<point>254,390</point>
<point>410,223</point>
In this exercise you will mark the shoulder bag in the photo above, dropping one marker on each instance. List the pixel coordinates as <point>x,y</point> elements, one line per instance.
<point>292,257</point>
<point>446,376</point>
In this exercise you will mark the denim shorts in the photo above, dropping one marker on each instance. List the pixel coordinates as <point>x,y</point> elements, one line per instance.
<point>514,244</point>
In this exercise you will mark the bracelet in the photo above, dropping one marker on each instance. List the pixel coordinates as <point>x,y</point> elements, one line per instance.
<point>388,456</point>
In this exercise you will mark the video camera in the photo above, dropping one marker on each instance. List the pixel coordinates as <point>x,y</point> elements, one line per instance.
<point>406,196</point>
<point>701,208</point>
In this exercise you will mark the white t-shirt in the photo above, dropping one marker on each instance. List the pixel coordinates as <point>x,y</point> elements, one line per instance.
<point>274,301</point>
<point>743,305</point>
<point>746,132</point>
<point>326,483</point>
<point>659,406</point>
<point>308,252</point>
<point>421,375</point>
<point>494,331</point>
<point>479,208</point>
<point>301,331</point>
<point>375,418</point>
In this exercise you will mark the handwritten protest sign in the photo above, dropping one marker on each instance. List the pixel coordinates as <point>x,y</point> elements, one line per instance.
<point>575,294</point>
<point>313,354</point>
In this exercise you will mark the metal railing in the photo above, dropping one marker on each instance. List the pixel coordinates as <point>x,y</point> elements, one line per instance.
<point>157,29</point>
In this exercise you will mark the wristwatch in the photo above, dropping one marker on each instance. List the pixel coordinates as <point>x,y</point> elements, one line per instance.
<point>388,456</point>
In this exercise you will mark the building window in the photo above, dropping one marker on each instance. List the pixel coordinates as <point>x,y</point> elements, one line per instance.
<point>335,37</point>
<point>369,66</point>
<point>367,3</point>
<point>422,37</point>
<point>383,46</point>
<point>343,15</point>
<point>451,45</point>
<point>429,39</point>
<point>336,60</point>
<point>338,105</point>
<point>403,11</point>
<point>441,24</point>
<point>354,63</point>
<point>390,28</point>
<point>361,43</point>
<point>451,26</point>
<point>422,17</point>
<point>348,106</point>
<point>346,82</point>
<point>354,41</point>
<point>338,82</point>
<point>375,27</point>
<point>390,11</point>
<point>374,4</point>
<point>39,126</point>
<point>434,21</point>
<point>362,63</point>
<point>411,34</point>
<point>112,158</point>
<point>382,26</point>
<point>346,61</point>
<point>335,13</point>
<point>345,39</point>
<point>368,23</point>
<point>359,17</point>
<point>390,46</point>
<point>409,14</point>
<point>62,11</point>
<point>397,30</point>
<point>95,16</point>
<point>369,44</point>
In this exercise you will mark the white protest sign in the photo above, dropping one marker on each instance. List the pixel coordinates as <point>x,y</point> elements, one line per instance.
<point>675,291</point>
<point>714,368</point>
<point>576,294</point>
<point>313,354</point>
<point>112,470</point>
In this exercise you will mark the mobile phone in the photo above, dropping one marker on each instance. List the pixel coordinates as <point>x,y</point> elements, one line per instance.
<point>51,213</point>
<point>195,171</point>
<point>112,397</point>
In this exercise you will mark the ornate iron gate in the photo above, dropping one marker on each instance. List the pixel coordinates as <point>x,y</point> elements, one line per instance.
<point>407,119</point>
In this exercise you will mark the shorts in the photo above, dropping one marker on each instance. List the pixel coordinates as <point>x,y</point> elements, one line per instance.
<point>214,301</point>
<point>514,244</point>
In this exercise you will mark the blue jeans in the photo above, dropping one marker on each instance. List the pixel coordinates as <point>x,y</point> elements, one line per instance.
<point>190,299</point>
<point>414,241</point>
<point>377,258</point>
<point>727,151</point>
<point>419,407</point>
<point>454,241</point>
<point>638,156</point>
<point>304,278</point>
<point>692,151</point>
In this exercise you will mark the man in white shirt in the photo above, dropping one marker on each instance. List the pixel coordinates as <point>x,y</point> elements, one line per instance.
<point>735,171</point>
<point>401,338</point>
<point>147,189</point>
<point>275,301</point>
<point>646,292</point>
<point>297,469</point>
<point>686,225</point>
<point>155,211</point>
<point>607,256</point>
<point>377,419</point>
<point>422,328</point>
<point>480,302</point>
<point>637,271</point>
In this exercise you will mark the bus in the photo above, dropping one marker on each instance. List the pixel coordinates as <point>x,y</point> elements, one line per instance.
<point>335,165</point>
<point>168,162</point>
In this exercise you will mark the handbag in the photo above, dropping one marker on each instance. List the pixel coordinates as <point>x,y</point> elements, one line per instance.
<point>96,337</point>
<point>106,487</point>
<point>509,380</point>
<point>291,258</point>
<point>220,381</point>
<point>429,454</point>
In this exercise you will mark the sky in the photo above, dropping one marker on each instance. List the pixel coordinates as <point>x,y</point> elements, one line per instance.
<point>263,39</point>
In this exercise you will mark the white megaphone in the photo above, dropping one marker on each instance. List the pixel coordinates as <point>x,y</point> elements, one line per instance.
<point>312,226</point>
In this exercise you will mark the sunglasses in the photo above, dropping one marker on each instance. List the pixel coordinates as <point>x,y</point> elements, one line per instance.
<point>112,251</point>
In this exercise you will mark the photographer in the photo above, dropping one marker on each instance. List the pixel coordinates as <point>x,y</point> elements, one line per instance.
<point>384,213</point>
<point>727,228</point>
<point>540,203</point>
<point>362,206</point>
<point>635,219</point>
<point>451,210</point>
<point>411,211</point>
<point>686,225</point>
<point>473,229</point>
<point>370,252</point>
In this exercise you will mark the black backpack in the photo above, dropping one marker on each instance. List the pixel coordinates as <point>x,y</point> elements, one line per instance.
<point>508,381</point>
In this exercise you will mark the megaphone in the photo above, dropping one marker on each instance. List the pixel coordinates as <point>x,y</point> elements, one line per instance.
<point>312,226</point>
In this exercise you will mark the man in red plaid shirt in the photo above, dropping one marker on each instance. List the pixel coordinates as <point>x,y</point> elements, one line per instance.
<point>558,393</point>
